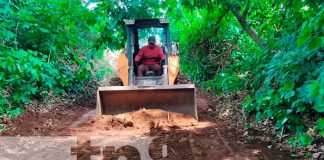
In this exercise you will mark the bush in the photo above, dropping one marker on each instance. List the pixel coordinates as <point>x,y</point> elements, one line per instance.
<point>45,47</point>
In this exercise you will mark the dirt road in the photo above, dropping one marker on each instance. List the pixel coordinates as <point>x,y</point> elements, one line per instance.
<point>180,136</point>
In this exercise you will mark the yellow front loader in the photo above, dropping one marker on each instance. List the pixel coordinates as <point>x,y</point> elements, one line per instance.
<point>167,92</point>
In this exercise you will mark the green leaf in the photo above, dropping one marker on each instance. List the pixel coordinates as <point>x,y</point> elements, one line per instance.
<point>281,122</point>
<point>304,139</point>
<point>288,85</point>
<point>15,112</point>
<point>318,107</point>
<point>43,30</point>
<point>25,99</point>
<point>1,128</point>
<point>309,155</point>
<point>297,4</point>
<point>289,94</point>
<point>321,133</point>
<point>315,43</point>
<point>258,117</point>
<point>301,108</point>
<point>292,141</point>
<point>320,124</point>
<point>247,101</point>
<point>313,88</point>
<point>33,90</point>
<point>306,32</point>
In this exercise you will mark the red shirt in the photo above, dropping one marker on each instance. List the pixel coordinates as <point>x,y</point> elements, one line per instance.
<point>150,55</point>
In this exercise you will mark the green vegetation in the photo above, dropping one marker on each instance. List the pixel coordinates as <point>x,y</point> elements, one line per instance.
<point>272,49</point>
<point>45,47</point>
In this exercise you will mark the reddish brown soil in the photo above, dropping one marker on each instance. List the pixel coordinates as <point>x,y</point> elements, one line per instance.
<point>142,122</point>
<point>184,136</point>
<point>44,120</point>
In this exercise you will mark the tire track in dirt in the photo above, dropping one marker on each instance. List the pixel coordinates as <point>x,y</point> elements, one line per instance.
<point>83,118</point>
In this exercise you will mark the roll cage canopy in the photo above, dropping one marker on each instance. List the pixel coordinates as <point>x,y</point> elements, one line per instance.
<point>133,26</point>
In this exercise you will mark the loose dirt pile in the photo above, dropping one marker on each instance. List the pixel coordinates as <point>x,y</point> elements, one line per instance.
<point>142,122</point>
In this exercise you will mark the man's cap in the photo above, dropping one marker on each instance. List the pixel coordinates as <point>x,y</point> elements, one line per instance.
<point>151,39</point>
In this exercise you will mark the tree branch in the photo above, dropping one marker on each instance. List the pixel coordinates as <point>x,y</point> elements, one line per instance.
<point>219,20</point>
<point>248,29</point>
<point>16,34</point>
<point>246,11</point>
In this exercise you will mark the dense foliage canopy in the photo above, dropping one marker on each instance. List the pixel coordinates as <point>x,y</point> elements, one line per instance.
<point>272,49</point>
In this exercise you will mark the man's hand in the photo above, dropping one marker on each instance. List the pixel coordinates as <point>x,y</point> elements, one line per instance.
<point>136,64</point>
<point>163,62</point>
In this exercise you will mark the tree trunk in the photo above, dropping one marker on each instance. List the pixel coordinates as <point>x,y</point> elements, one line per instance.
<point>248,29</point>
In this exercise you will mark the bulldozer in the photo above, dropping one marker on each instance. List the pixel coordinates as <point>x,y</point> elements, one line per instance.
<point>166,92</point>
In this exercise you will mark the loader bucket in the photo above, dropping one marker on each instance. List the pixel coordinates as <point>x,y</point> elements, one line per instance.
<point>121,99</point>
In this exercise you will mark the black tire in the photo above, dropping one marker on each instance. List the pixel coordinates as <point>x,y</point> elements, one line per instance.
<point>182,79</point>
<point>115,81</point>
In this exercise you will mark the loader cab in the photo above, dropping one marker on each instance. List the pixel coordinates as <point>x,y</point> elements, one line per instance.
<point>137,31</point>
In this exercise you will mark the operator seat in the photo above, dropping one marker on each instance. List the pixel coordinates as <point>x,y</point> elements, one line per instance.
<point>165,51</point>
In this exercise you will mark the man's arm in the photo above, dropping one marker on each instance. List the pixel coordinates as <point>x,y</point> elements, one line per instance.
<point>138,58</point>
<point>161,54</point>
<point>139,55</point>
